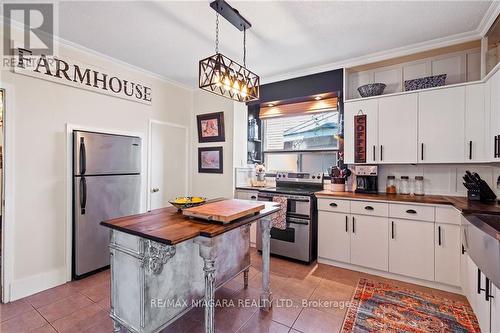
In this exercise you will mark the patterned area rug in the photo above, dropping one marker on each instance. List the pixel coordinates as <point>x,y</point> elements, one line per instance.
<point>382,307</point>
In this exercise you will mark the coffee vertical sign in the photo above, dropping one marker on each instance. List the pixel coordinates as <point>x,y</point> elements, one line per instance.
<point>360,138</point>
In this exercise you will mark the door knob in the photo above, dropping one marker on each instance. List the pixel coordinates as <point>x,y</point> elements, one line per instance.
<point>155,189</point>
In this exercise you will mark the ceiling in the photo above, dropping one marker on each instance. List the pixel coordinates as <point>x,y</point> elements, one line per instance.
<point>170,37</point>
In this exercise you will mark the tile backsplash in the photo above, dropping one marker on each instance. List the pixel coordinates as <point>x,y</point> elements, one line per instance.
<point>443,179</point>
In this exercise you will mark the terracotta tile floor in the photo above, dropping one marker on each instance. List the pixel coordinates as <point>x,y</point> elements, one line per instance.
<point>82,306</point>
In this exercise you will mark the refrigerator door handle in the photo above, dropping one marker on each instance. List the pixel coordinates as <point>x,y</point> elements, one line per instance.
<point>83,195</point>
<point>83,157</point>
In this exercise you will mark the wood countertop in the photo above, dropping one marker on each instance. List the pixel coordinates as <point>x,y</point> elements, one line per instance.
<point>168,226</point>
<point>460,203</point>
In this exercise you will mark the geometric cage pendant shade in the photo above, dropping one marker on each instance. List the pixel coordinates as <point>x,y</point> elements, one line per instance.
<point>225,77</point>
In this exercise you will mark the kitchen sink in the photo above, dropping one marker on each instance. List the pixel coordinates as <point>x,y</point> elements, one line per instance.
<point>482,242</point>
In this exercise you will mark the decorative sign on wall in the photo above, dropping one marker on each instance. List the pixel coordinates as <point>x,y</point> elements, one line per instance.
<point>73,73</point>
<point>360,139</point>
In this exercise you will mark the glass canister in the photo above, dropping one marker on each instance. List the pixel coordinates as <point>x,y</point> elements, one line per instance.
<point>390,187</point>
<point>404,186</point>
<point>419,185</point>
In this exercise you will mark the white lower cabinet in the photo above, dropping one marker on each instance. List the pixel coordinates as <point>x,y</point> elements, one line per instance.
<point>495,309</point>
<point>411,248</point>
<point>334,236</point>
<point>473,284</point>
<point>369,239</point>
<point>417,241</point>
<point>447,254</point>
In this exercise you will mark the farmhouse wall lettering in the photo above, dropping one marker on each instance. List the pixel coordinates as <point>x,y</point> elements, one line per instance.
<point>75,74</point>
<point>360,139</point>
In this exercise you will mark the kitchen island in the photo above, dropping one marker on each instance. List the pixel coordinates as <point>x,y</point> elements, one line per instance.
<point>164,263</point>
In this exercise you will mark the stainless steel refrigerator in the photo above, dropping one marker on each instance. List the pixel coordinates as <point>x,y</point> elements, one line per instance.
<point>106,184</point>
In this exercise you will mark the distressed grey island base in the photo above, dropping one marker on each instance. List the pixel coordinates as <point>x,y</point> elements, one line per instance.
<point>163,264</point>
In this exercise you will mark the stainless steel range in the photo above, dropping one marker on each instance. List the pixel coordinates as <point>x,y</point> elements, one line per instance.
<point>299,240</point>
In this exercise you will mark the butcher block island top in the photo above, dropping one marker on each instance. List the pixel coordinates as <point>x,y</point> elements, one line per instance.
<point>225,211</point>
<point>169,226</point>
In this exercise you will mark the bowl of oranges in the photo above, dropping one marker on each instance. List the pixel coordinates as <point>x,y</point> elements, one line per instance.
<point>185,202</point>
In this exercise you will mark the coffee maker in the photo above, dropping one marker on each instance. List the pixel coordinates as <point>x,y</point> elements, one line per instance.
<point>366,178</point>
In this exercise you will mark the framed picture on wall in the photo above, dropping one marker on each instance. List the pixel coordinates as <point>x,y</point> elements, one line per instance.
<point>210,160</point>
<point>211,127</point>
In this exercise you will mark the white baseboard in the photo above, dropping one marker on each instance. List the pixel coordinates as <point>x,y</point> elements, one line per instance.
<point>31,285</point>
<point>425,283</point>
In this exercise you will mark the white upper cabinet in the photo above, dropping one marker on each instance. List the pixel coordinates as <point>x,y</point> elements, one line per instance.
<point>369,108</point>
<point>441,125</point>
<point>476,121</point>
<point>494,98</point>
<point>397,133</point>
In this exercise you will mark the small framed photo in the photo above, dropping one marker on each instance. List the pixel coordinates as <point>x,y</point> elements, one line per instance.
<point>210,160</point>
<point>211,127</point>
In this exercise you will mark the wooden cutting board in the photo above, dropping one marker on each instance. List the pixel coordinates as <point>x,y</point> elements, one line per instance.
<point>224,211</point>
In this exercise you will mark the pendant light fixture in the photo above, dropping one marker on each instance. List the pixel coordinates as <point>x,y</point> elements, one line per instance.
<point>223,76</point>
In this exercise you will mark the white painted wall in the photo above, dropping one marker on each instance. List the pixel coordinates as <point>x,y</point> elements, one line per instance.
<point>42,110</point>
<point>207,184</point>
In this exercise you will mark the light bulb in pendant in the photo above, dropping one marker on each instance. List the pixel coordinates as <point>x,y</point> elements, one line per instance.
<point>244,91</point>
<point>217,79</point>
<point>227,83</point>
<point>236,87</point>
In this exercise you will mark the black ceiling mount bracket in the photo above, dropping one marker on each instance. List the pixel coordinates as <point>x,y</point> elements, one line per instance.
<point>232,15</point>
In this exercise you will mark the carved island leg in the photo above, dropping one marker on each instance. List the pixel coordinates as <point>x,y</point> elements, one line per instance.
<point>208,253</point>
<point>266,301</point>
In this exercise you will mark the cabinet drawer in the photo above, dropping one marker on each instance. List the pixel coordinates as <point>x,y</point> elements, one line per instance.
<point>334,205</point>
<point>414,212</point>
<point>369,208</point>
<point>448,215</point>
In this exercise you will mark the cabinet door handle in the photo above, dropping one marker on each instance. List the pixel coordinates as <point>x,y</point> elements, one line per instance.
<point>479,289</point>
<point>381,153</point>
<point>346,223</point>
<point>353,225</point>
<point>374,152</point>
<point>333,204</point>
<point>498,145</point>
<point>439,235</point>
<point>463,249</point>
<point>411,211</point>
<point>392,229</point>
<point>253,197</point>
<point>369,208</point>
<point>495,146</point>
<point>470,150</point>
<point>487,295</point>
<point>422,151</point>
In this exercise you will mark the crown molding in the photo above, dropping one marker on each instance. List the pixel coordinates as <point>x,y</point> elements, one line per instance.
<point>58,41</point>
<point>488,19</point>
<point>379,56</point>
<point>124,64</point>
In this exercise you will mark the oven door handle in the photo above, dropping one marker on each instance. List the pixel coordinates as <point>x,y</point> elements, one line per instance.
<point>298,216</point>
<point>298,221</point>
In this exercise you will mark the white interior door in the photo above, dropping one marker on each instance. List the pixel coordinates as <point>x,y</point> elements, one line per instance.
<point>168,163</point>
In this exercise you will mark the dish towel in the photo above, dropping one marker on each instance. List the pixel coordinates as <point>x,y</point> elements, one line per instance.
<point>279,219</point>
